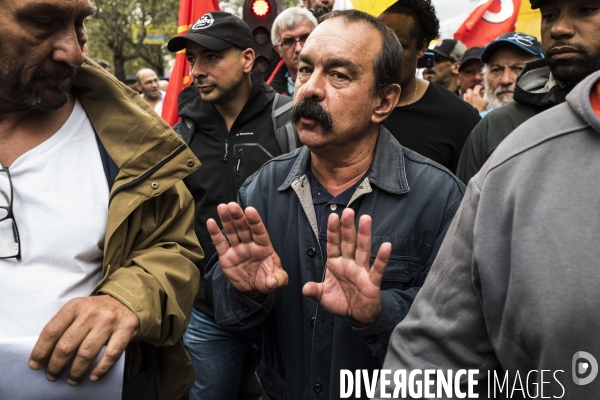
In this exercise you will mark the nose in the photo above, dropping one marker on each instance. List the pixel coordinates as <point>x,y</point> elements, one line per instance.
<point>562,27</point>
<point>68,47</point>
<point>298,46</point>
<point>313,88</point>
<point>508,78</point>
<point>197,70</point>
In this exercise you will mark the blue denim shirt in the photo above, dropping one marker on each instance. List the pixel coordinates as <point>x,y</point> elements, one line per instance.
<point>305,347</point>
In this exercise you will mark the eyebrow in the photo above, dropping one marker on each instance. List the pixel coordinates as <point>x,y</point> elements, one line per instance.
<point>333,63</point>
<point>52,9</point>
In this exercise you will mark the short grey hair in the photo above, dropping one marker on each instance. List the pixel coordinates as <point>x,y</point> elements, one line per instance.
<point>288,19</point>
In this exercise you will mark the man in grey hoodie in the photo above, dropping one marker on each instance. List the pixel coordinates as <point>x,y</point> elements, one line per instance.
<point>571,44</point>
<point>513,292</point>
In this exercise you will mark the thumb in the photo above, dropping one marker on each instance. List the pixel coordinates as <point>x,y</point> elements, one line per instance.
<point>277,280</point>
<point>313,290</point>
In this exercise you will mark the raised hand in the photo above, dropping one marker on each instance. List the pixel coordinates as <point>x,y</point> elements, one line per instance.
<point>248,261</point>
<point>476,97</point>
<point>350,287</point>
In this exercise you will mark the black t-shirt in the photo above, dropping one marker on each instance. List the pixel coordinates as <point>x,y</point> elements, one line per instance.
<point>436,126</point>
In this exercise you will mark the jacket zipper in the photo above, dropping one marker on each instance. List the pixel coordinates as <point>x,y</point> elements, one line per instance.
<point>239,162</point>
<point>147,173</point>
<point>226,150</point>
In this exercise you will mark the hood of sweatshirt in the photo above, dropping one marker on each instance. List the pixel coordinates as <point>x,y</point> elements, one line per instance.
<point>579,100</point>
<point>536,86</point>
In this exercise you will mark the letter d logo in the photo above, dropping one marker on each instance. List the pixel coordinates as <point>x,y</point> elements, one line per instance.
<point>584,367</point>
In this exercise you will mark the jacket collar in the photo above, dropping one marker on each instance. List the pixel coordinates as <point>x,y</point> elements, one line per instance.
<point>387,170</point>
<point>532,86</point>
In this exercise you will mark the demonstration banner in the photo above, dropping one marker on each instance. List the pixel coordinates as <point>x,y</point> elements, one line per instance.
<point>490,19</point>
<point>373,7</point>
<point>190,11</point>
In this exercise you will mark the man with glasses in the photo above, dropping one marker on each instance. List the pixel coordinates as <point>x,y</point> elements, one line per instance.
<point>288,34</point>
<point>96,240</point>
<point>229,121</point>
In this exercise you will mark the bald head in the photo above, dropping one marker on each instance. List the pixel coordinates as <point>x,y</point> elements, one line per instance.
<point>147,84</point>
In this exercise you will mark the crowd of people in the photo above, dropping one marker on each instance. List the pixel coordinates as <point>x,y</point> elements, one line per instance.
<point>350,212</point>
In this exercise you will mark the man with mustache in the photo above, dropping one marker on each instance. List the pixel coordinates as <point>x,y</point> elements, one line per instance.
<point>325,296</point>
<point>572,53</point>
<point>96,238</point>
<point>504,58</point>
<point>233,121</point>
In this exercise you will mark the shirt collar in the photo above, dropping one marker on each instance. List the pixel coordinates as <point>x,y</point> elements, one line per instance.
<point>386,172</point>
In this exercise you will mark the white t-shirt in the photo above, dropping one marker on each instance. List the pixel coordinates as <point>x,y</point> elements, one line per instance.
<point>60,206</point>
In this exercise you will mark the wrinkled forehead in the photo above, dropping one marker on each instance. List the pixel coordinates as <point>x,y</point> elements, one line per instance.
<point>57,8</point>
<point>355,40</point>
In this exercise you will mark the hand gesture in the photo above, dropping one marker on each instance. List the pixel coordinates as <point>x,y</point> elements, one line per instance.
<point>350,288</point>
<point>248,261</point>
<point>80,329</point>
<point>476,97</point>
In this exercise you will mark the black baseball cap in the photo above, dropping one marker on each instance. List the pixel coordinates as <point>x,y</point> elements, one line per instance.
<point>536,3</point>
<point>474,53</point>
<point>527,43</point>
<point>216,30</point>
<point>450,48</point>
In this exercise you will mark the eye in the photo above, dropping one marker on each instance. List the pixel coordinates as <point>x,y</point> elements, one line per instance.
<point>587,10</point>
<point>43,22</point>
<point>339,76</point>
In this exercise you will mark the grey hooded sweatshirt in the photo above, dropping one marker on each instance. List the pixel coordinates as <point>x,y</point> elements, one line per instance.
<point>515,287</point>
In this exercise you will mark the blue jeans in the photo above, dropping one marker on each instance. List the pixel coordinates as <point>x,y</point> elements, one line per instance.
<point>217,356</point>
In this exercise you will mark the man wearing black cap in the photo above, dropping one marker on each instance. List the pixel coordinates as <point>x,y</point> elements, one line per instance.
<point>504,58</point>
<point>447,60</point>
<point>229,122</point>
<point>572,50</point>
<point>469,70</point>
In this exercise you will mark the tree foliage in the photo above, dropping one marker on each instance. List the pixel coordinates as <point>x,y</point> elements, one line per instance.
<point>114,24</point>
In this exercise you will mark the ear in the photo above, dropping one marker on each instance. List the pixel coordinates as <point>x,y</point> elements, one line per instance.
<point>138,86</point>
<point>278,50</point>
<point>455,68</point>
<point>248,60</point>
<point>386,104</point>
<point>422,50</point>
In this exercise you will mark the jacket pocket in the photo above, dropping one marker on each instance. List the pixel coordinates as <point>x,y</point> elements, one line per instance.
<point>249,157</point>
<point>270,382</point>
<point>405,263</point>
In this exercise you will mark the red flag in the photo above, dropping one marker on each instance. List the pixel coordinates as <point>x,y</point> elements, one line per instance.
<point>490,19</point>
<point>190,11</point>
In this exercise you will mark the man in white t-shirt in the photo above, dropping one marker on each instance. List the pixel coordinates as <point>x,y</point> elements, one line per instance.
<point>97,246</point>
<point>147,83</point>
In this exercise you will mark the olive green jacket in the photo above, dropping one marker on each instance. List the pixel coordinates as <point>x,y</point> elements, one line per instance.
<point>150,248</point>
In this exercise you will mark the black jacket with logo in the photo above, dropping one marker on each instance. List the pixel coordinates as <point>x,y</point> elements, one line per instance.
<point>227,158</point>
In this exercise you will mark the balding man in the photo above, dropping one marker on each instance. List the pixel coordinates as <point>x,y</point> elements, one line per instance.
<point>146,82</point>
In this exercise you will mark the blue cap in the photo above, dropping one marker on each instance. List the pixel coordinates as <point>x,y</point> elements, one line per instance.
<point>527,43</point>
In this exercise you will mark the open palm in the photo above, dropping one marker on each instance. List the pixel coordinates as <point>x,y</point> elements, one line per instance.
<point>350,287</point>
<point>247,257</point>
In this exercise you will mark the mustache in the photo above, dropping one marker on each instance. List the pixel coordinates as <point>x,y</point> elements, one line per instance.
<point>577,46</point>
<point>58,70</point>
<point>505,89</point>
<point>309,108</point>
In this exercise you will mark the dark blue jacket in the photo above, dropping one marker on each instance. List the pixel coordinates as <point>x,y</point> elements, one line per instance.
<point>304,347</point>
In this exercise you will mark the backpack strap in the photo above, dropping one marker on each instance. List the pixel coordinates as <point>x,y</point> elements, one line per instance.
<point>184,129</point>
<point>285,133</point>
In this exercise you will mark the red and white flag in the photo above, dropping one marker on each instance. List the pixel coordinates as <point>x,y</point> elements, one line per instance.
<point>190,11</point>
<point>490,19</point>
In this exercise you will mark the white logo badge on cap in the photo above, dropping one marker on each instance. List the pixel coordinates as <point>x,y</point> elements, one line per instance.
<point>523,40</point>
<point>204,22</point>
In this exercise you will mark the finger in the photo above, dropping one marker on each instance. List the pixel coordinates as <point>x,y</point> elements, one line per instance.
<point>217,237</point>
<point>348,246</point>
<point>334,236</point>
<point>276,281</point>
<point>86,355</point>
<point>378,269</point>
<point>228,225</point>
<point>115,347</point>
<point>65,350</point>
<point>478,89</point>
<point>363,242</point>
<point>313,290</point>
<point>50,335</point>
<point>257,228</point>
<point>240,222</point>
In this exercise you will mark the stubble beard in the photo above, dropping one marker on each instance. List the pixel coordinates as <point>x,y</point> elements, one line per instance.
<point>571,72</point>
